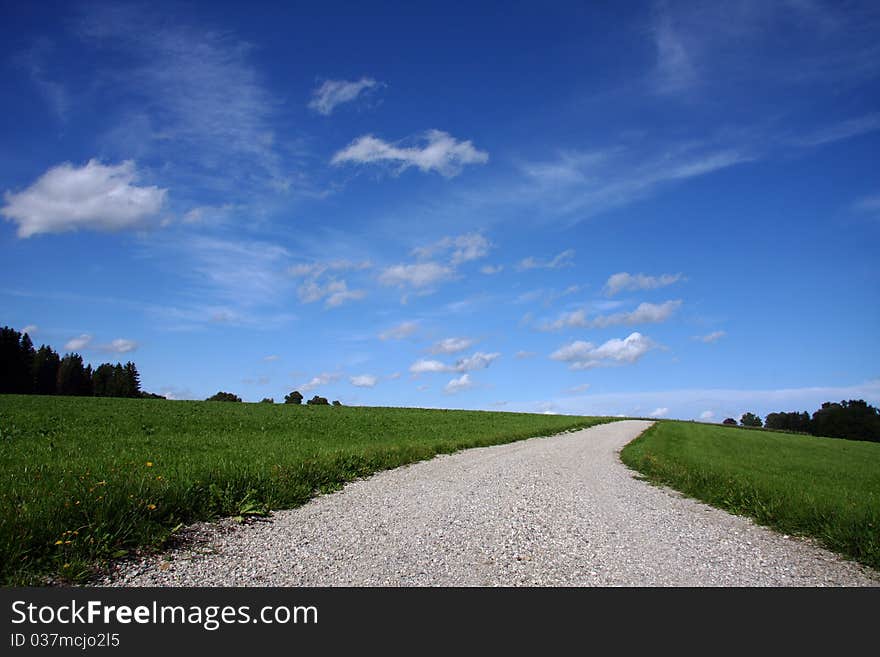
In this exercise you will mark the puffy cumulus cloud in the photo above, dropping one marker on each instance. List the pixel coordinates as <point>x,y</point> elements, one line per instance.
<point>424,365</point>
<point>120,346</point>
<point>332,93</point>
<point>320,380</point>
<point>645,313</point>
<point>93,197</point>
<point>582,355</point>
<point>463,248</point>
<point>477,361</point>
<point>631,282</point>
<point>400,331</point>
<point>564,259</point>
<point>451,345</point>
<point>363,381</point>
<point>440,152</point>
<point>81,342</point>
<point>419,275</point>
<point>709,338</point>
<point>707,416</point>
<point>458,384</point>
<point>659,412</point>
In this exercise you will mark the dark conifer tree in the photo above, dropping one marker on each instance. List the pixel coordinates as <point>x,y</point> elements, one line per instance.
<point>45,371</point>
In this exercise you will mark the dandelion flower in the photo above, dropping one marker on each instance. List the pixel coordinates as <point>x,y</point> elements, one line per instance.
<point>149,464</point>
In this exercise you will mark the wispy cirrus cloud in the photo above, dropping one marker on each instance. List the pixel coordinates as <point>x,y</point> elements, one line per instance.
<point>419,275</point>
<point>564,259</point>
<point>400,331</point>
<point>709,338</point>
<point>440,152</point>
<point>320,282</point>
<point>451,345</point>
<point>332,93</point>
<point>94,196</point>
<point>632,282</point>
<point>461,249</point>
<point>842,130</point>
<point>644,313</point>
<point>322,379</point>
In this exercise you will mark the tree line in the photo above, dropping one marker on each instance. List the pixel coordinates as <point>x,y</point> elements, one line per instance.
<point>294,397</point>
<point>25,370</point>
<point>854,419</point>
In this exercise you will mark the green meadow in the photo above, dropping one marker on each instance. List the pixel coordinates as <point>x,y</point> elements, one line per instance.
<point>824,488</point>
<point>84,479</point>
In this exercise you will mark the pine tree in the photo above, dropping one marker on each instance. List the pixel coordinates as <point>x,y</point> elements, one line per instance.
<point>45,371</point>
<point>27,353</point>
<point>132,380</point>
<point>71,375</point>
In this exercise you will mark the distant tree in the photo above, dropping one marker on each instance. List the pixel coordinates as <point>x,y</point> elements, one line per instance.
<point>799,422</point>
<point>45,371</point>
<point>73,378</point>
<point>318,401</point>
<point>102,380</point>
<point>27,353</point>
<point>729,420</point>
<point>131,380</point>
<point>336,402</point>
<point>150,395</point>
<point>267,400</point>
<point>854,419</point>
<point>16,362</point>
<point>750,420</point>
<point>293,398</point>
<point>224,396</point>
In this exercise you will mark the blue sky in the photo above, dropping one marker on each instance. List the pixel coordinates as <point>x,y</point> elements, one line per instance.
<point>666,209</point>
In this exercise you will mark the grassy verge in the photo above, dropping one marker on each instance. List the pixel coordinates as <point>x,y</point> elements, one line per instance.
<point>825,488</point>
<point>84,479</point>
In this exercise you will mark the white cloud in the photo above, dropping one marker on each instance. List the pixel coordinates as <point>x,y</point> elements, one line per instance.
<point>320,380</point>
<point>92,197</point>
<point>675,69</point>
<point>645,313</point>
<point>420,275</point>
<point>706,416</point>
<point>81,342</point>
<point>270,358</point>
<point>424,365</point>
<point>363,381</point>
<point>564,259</point>
<point>394,376</point>
<point>441,153</point>
<point>522,355</point>
<point>489,270</point>
<point>457,385</point>
<point>30,329</point>
<point>626,281</point>
<point>316,286</point>
<point>574,390</point>
<point>582,355</point>
<point>399,332</point>
<point>840,131</point>
<point>659,412</point>
<point>477,361</point>
<point>336,92</point>
<point>451,345</point>
<point>710,337</point>
<point>465,248</point>
<point>120,346</point>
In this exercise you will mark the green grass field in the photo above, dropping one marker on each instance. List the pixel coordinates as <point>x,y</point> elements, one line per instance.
<point>84,479</point>
<point>825,488</point>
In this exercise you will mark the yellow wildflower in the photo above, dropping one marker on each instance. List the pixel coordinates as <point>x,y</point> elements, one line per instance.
<point>149,464</point>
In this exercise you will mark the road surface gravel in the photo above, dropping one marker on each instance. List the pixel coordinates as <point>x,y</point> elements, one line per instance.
<point>555,511</point>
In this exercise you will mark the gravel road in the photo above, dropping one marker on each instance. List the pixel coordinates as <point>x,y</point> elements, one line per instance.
<point>558,511</point>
